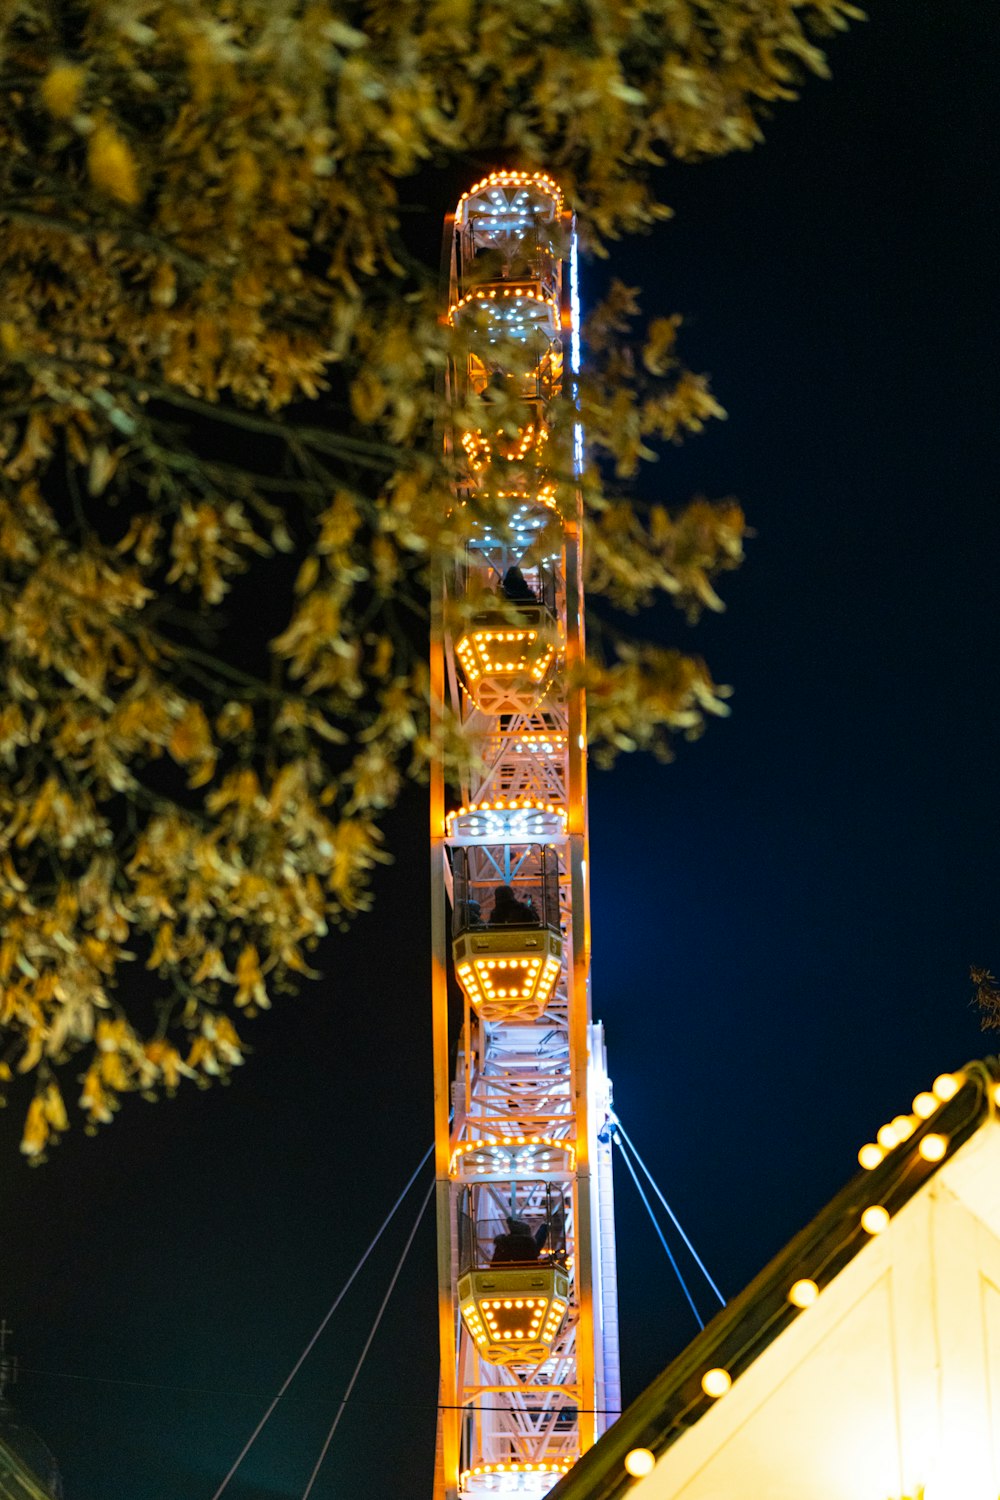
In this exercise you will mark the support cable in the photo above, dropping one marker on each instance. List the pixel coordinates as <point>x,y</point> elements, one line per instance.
<point>649,1209</point>
<point>673,1217</point>
<point>329,1314</point>
<point>368,1342</point>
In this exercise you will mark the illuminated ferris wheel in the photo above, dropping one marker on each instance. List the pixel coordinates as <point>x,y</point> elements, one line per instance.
<point>527,1282</point>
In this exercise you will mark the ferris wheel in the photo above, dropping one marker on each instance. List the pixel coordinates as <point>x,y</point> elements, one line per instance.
<point>526,1246</point>
<point>523,1118</point>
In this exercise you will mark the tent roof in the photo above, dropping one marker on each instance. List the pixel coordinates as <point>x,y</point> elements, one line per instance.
<point>743,1329</point>
<point>23,1460</point>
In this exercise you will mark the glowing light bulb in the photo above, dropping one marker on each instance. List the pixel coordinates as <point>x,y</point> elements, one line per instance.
<point>875,1219</point>
<point>887,1137</point>
<point>803,1293</point>
<point>924,1106</point>
<point>946,1086</point>
<point>640,1462</point>
<point>715,1383</point>
<point>904,1127</point>
<point>933,1147</point>
<point>870,1156</point>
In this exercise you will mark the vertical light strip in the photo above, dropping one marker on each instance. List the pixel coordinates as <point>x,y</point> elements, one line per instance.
<point>574,344</point>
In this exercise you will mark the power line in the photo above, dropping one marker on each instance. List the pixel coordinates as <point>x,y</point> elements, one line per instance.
<point>215,1390</point>
<point>368,1343</point>
<point>330,1312</point>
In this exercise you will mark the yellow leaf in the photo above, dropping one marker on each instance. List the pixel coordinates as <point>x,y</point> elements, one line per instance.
<point>33,1051</point>
<point>55,1109</point>
<point>244,176</point>
<point>164,951</point>
<point>657,356</point>
<point>250,980</point>
<point>36,1128</point>
<point>165,1056</point>
<point>192,737</point>
<point>212,966</point>
<point>94,1098</point>
<point>163,288</point>
<point>368,397</point>
<point>61,89</point>
<point>308,574</point>
<point>112,166</point>
<point>102,468</point>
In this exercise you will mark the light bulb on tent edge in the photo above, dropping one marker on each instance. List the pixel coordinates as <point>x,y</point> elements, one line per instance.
<point>933,1147</point>
<point>716,1383</point>
<point>640,1462</point>
<point>874,1219</point>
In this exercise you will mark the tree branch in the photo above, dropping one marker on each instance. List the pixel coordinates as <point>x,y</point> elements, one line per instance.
<point>129,236</point>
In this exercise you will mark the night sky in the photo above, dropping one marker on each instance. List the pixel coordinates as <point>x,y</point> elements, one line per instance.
<point>783,919</point>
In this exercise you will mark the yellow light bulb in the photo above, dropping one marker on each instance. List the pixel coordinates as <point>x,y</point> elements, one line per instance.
<point>715,1383</point>
<point>875,1219</point>
<point>870,1156</point>
<point>887,1137</point>
<point>924,1106</point>
<point>904,1127</point>
<point>803,1293</point>
<point>640,1462</point>
<point>933,1147</point>
<point>946,1086</point>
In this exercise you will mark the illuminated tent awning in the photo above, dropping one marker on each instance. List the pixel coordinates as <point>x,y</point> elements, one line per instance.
<point>864,1362</point>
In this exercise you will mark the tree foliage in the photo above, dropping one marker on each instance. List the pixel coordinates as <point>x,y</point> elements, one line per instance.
<point>986,997</point>
<point>220,369</point>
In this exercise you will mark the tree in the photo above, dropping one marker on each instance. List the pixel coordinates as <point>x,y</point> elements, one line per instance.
<point>219,362</point>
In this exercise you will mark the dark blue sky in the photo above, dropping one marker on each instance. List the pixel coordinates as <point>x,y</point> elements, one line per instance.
<point>784,919</point>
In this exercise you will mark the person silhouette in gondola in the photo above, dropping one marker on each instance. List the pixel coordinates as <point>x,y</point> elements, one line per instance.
<point>519,1244</point>
<point>515,587</point>
<point>508,911</point>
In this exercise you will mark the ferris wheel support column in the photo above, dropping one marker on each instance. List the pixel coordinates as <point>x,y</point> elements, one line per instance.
<point>448,1415</point>
<point>580,1009</point>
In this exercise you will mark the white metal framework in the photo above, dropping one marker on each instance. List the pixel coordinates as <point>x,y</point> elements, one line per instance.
<point>527,1289</point>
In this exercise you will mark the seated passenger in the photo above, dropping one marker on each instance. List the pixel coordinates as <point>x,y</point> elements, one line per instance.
<point>520,1244</point>
<point>508,911</point>
<point>515,587</point>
